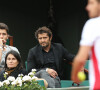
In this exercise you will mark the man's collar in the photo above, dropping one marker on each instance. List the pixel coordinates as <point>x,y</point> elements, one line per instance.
<point>51,48</point>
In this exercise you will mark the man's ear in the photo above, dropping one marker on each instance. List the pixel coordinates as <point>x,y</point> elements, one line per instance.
<point>7,36</point>
<point>51,38</point>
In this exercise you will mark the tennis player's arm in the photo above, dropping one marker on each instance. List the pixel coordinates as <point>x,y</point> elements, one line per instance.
<point>79,60</point>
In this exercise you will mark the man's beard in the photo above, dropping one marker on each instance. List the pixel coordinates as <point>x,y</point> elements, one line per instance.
<point>45,45</point>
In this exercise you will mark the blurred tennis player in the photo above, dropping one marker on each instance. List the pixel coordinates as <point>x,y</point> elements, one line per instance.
<point>90,46</point>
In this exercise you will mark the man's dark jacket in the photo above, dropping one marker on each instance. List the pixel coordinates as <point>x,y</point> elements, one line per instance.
<point>35,57</point>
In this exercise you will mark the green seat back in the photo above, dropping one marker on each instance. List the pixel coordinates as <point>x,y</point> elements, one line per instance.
<point>87,64</point>
<point>68,83</point>
<point>8,42</point>
<point>41,82</point>
<point>26,65</point>
<point>85,83</point>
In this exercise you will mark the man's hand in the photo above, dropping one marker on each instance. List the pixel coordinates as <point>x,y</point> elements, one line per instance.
<point>52,73</point>
<point>2,41</point>
<point>75,79</point>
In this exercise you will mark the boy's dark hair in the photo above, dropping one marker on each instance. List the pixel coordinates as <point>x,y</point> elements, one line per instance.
<point>42,30</point>
<point>4,26</point>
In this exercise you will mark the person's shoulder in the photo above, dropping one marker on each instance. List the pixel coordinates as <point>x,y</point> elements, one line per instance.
<point>13,48</point>
<point>91,26</point>
<point>93,21</point>
<point>3,71</point>
<point>57,44</point>
<point>23,71</point>
<point>35,47</point>
<point>2,75</point>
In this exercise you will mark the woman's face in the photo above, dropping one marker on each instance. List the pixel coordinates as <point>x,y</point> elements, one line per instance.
<point>11,61</point>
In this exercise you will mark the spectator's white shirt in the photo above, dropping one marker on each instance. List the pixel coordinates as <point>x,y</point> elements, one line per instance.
<point>91,37</point>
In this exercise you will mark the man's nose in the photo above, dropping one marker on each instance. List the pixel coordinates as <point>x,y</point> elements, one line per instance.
<point>1,36</point>
<point>42,40</point>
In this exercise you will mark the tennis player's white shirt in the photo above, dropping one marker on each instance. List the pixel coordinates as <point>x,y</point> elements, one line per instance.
<point>91,37</point>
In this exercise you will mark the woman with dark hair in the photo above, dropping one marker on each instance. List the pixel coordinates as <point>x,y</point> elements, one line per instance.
<point>13,65</point>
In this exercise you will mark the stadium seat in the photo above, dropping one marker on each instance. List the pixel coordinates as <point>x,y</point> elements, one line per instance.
<point>41,82</point>
<point>26,65</point>
<point>10,41</point>
<point>68,83</point>
<point>87,65</point>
